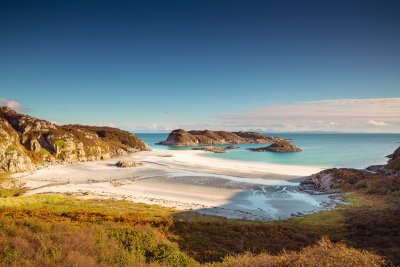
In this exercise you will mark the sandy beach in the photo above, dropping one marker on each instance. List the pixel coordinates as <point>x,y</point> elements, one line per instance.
<point>187,180</point>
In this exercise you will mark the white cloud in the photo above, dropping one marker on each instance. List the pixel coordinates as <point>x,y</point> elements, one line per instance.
<point>378,123</point>
<point>348,115</point>
<point>15,105</point>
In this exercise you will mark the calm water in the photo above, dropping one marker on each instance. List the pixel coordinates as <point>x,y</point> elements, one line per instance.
<point>325,150</point>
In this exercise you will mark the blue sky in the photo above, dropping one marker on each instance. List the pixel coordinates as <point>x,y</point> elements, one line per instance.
<point>157,65</point>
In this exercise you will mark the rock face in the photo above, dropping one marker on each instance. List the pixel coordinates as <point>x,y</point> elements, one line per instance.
<point>128,163</point>
<point>27,142</point>
<point>181,137</point>
<point>282,146</point>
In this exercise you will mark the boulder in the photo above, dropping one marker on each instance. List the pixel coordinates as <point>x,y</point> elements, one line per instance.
<point>128,163</point>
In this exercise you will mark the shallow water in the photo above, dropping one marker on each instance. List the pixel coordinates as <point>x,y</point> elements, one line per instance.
<point>324,150</point>
<point>261,199</point>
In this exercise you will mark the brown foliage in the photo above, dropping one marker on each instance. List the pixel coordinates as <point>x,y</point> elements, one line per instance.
<point>324,253</point>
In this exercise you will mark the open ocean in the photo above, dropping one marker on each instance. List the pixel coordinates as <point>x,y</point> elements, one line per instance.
<point>319,149</point>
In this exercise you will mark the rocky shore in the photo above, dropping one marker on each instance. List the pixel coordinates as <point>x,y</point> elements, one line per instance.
<point>334,180</point>
<point>27,143</point>
<point>180,137</point>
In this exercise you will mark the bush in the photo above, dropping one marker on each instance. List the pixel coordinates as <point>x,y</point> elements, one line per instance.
<point>60,143</point>
<point>170,255</point>
<point>324,253</point>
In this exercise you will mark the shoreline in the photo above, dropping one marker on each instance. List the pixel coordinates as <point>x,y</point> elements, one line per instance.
<point>186,180</point>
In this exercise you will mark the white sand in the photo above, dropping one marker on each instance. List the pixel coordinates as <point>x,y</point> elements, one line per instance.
<point>187,180</point>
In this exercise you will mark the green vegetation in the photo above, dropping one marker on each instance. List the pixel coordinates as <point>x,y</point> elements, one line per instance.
<point>60,143</point>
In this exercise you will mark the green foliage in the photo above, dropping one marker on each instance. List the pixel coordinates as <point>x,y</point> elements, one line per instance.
<point>138,242</point>
<point>49,248</point>
<point>9,255</point>
<point>168,254</point>
<point>6,193</point>
<point>60,143</point>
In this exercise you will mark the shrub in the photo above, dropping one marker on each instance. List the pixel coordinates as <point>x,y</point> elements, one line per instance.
<point>9,255</point>
<point>324,253</point>
<point>60,143</point>
<point>168,254</point>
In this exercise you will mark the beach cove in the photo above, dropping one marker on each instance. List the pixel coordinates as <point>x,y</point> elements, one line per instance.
<point>186,180</point>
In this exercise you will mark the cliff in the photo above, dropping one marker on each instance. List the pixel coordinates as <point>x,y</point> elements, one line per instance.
<point>27,142</point>
<point>181,137</point>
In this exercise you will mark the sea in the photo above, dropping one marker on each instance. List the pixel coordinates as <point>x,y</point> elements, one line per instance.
<point>326,150</point>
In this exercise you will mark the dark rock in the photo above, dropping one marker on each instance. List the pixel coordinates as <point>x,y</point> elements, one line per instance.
<point>128,163</point>
<point>282,146</point>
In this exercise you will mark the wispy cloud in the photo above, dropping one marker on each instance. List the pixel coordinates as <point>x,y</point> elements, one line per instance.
<point>349,115</point>
<point>378,123</point>
<point>16,105</point>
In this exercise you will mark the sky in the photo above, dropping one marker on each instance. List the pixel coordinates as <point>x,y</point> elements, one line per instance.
<point>152,66</point>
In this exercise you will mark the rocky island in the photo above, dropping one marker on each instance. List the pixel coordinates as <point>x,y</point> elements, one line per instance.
<point>27,142</point>
<point>282,146</point>
<point>180,137</point>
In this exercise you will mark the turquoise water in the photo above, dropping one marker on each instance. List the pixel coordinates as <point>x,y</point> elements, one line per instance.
<point>325,150</point>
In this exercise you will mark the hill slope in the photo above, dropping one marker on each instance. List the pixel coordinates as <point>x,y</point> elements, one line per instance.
<point>27,142</point>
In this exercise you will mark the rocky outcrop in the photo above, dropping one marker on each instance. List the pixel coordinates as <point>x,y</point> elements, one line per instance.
<point>27,142</point>
<point>181,137</point>
<point>332,180</point>
<point>392,168</point>
<point>211,149</point>
<point>128,164</point>
<point>12,154</point>
<point>379,179</point>
<point>282,146</point>
<point>394,161</point>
